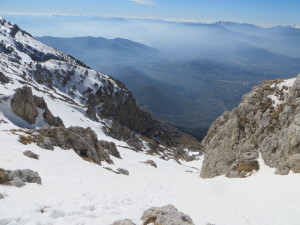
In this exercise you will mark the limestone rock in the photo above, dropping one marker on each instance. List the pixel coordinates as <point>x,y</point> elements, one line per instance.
<point>166,215</point>
<point>23,105</point>
<point>258,126</point>
<point>30,154</point>
<point>2,197</point>
<point>124,222</point>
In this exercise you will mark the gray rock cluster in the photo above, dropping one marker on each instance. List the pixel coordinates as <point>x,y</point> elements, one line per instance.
<point>257,126</point>
<point>84,141</point>
<point>166,215</point>
<point>25,105</point>
<point>18,178</point>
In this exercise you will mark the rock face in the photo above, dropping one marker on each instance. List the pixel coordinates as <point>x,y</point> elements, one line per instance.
<point>25,105</point>
<point>83,140</point>
<point>166,215</point>
<point>266,123</point>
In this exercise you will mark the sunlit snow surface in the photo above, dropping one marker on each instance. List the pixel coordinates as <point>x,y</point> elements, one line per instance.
<point>284,87</point>
<point>75,191</point>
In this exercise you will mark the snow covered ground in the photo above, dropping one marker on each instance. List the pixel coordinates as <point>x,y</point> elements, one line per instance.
<point>75,191</point>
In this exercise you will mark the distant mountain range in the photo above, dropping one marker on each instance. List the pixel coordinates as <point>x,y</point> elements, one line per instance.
<point>190,84</point>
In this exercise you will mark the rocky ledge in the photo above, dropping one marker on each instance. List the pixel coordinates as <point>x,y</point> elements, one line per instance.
<point>266,124</point>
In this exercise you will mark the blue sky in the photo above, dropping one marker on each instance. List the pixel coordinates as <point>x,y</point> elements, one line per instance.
<point>260,12</point>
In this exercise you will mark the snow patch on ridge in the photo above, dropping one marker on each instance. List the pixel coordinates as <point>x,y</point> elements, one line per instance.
<point>283,88</point>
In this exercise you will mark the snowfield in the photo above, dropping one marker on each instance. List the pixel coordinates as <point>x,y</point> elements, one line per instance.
<point>75,191</point>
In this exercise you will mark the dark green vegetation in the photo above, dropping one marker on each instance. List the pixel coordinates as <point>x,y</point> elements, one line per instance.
<point>189,93</point>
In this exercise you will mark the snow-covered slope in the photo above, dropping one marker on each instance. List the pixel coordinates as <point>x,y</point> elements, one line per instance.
<point>76,191</point>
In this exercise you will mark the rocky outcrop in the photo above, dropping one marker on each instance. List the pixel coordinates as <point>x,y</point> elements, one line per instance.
<point>117,102</point>
<point>166,215</point>
<point>266,123</point>
<point>18,178</point>
<point>25,105</point>
<point>84,141</point>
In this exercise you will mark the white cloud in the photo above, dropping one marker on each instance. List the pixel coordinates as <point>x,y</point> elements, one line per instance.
<point>142,2</point>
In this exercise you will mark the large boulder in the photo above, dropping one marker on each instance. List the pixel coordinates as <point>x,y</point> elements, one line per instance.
<point>266,123</point>
<point>25,105</point>
<point>166,215</point>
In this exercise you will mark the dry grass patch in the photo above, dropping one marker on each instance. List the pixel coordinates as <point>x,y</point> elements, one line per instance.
<point>249,167</point>
<point>25,140</point>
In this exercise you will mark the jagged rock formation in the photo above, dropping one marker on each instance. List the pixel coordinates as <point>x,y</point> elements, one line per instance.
<point>18,178</point>
<point>84,141</point>
<point>266,123</point>
<point>25,105</point>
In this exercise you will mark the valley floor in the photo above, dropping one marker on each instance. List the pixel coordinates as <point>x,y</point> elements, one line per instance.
<point>75,191</point>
